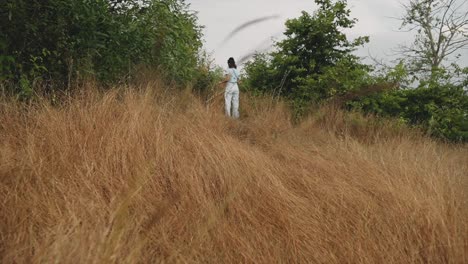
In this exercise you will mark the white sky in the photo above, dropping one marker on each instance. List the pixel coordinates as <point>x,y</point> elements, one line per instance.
<point>376,20</point>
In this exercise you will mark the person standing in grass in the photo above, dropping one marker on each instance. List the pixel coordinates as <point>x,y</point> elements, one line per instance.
<point>231,94</point>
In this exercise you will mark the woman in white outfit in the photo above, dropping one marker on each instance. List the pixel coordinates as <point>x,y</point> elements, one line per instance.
<point>231,94</point>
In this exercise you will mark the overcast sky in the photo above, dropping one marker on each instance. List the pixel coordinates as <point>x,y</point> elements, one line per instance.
<point>377,19</point>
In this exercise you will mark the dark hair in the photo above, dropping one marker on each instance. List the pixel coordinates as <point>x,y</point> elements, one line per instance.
<point>232,63</point>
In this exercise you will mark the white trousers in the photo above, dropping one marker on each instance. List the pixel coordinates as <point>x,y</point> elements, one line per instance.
<point>231,99</point>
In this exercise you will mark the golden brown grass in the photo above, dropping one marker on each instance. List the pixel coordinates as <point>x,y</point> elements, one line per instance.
<point>148,176</point>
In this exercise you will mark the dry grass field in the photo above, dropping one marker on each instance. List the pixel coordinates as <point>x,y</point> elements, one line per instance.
<point>150,175</point>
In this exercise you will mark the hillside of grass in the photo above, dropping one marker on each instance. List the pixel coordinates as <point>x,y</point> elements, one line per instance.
<point>150,175</point>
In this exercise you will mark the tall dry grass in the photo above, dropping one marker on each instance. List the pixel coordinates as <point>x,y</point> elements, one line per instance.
<point>147,175</point>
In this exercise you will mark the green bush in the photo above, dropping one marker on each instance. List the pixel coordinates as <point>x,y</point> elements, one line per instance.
<point>440,108</point>
<point>57,41</point>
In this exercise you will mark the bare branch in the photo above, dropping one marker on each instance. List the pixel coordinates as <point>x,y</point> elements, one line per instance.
<point>441,30</point>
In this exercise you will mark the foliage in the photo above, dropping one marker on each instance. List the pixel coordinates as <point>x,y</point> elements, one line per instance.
<point>61,40</point>
<point>207,75</point>
<point>440,107</point>
<point>314,61</point>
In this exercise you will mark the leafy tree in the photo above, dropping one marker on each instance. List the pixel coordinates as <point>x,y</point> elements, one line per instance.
<point>57,41</point>
<point>314,61</point>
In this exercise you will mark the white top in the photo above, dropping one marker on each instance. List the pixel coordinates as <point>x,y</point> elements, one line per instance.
<point>234,74</point>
